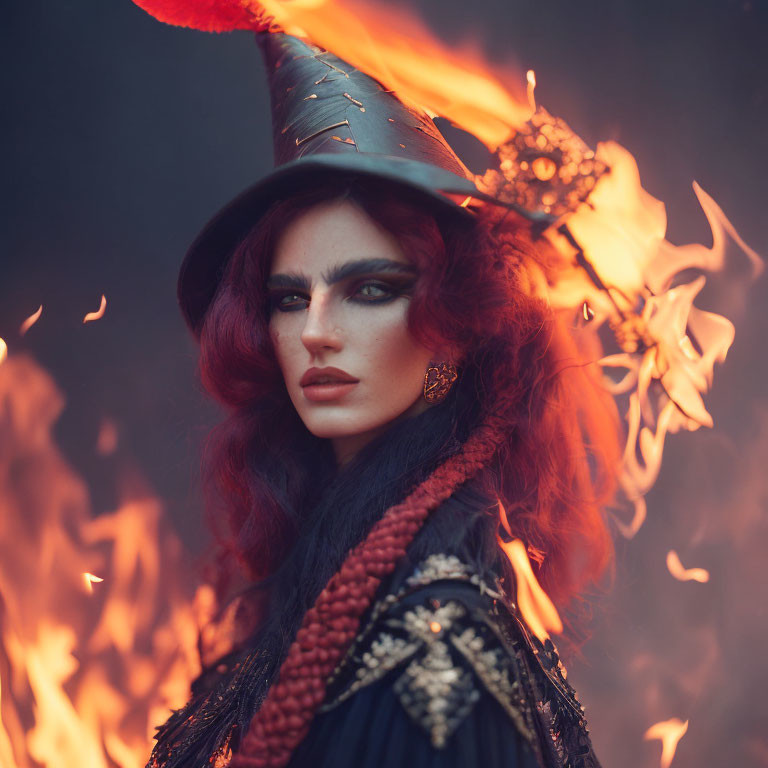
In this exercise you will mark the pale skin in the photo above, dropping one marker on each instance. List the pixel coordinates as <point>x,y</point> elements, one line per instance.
<point>339,289</point>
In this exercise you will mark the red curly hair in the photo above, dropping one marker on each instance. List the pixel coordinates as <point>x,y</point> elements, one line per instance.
<point>547,431</point>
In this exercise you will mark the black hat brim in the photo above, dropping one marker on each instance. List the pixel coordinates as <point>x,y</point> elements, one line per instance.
<point>205,261</point>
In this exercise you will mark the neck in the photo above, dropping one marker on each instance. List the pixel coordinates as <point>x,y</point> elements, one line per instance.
<point>346,447</point>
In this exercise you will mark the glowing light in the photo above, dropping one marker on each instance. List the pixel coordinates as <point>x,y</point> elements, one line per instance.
<point>89,580</point>
<point>536,608</point>
<point>30,321</point>
<point>530,77</point>
<point>435,627</point>
<point>3,350</point>
<point>94,669</point>
<point>99,313</point>
<point>455,82</point>
<point>669,347</point>
<point>676,568</point>
<point>669,732</point>
<point>464,203</point>
<point>6,747</point>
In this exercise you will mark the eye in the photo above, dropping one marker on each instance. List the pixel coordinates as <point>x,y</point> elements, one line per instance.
<point>373,291</point>
<point>288,302</point>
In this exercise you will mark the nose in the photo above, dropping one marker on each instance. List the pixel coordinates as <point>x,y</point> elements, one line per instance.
<point>321,331</point>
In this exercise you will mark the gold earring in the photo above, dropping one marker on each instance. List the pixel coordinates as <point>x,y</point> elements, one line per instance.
<point>438,381</point>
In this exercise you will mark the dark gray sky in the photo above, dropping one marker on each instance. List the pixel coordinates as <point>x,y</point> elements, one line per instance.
<point>122,135</point>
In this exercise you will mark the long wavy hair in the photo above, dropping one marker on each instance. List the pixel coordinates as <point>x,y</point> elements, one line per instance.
<point>555,468</point>
<point>527,425</point>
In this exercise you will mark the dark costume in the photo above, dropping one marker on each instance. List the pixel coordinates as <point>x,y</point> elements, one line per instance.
<point>445,673</point>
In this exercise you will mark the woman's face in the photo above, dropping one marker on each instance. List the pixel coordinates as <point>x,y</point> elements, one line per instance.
<point>339,291</point>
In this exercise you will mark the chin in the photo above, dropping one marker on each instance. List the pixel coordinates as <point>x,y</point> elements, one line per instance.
<point>337,423</point>
<point>331,430</point>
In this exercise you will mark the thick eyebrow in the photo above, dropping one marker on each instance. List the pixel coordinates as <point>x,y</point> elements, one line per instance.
<point>345,271</point>
<point>363,267</point>
<point>294,280</point>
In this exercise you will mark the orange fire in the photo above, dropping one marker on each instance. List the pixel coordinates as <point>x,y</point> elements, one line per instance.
<point>99,313</point>
<point>669,732</point>
<point>86,674</point>
<point>89,580</point>
<point>675,567</point>
<point>669,347</point>
<point>3,350</point>
<point>536,608</point>
<point>530,77</point>
<point>397,49</point>
<point>31,320</point>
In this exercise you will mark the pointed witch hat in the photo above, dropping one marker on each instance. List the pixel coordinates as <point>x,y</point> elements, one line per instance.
<point>328,118</point>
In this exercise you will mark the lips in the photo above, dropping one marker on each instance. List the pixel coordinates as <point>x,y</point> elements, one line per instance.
<point>326,384</point>
<point>320,377</point>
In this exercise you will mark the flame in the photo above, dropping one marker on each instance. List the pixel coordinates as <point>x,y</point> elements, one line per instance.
<point>668,346</point>
<point>669,732</point>
<point>530,77</point>
<point>3,350</point>
<point>6,748</point>
<point>536,608</point>
<point>399,51</point>
<point>99,313</point>
<point>30,321</point>
<point>89,579</point>
<point>85,677</point>
<point>675,567</point>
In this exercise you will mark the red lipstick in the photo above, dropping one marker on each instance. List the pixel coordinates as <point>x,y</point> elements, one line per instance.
<point>325,384</point>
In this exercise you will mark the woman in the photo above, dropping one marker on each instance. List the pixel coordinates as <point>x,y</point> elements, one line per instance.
<point>403,411</point>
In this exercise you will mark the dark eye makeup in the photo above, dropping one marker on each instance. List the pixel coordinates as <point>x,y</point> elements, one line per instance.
<point>287,301</point>
<point>374,292</point>
<point>368,291</point>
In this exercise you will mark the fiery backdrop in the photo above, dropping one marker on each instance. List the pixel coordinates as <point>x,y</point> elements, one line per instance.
<point>121,136</point>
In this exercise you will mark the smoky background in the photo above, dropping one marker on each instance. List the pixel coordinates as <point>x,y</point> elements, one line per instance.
<point>121,136</point>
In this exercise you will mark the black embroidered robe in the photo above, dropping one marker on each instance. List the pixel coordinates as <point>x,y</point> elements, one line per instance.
<point>445,674</point>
